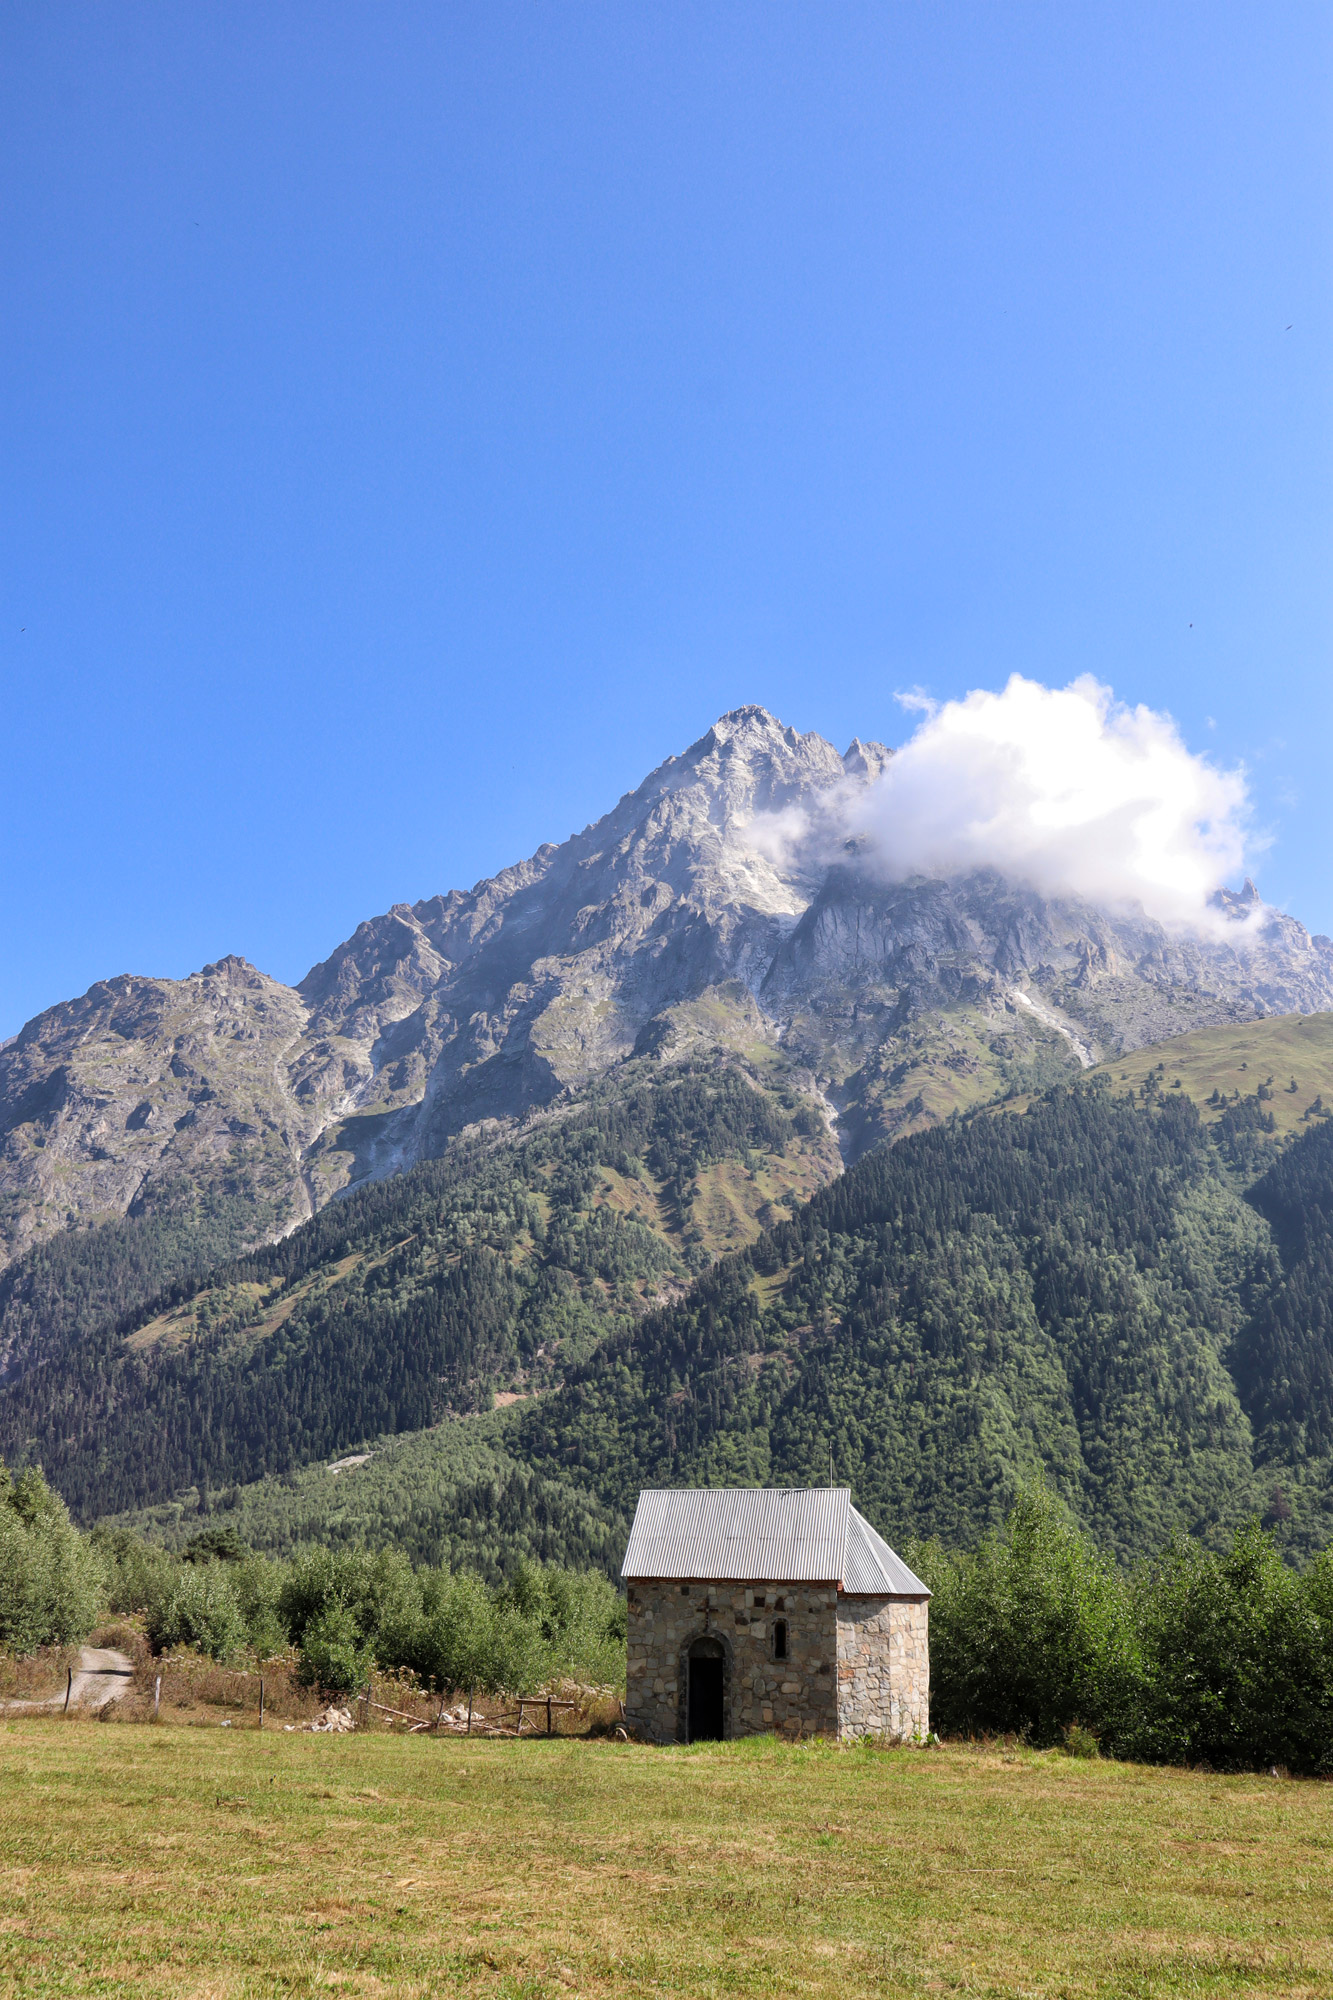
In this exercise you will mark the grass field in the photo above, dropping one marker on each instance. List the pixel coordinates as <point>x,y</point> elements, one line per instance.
<point>216,1863</point>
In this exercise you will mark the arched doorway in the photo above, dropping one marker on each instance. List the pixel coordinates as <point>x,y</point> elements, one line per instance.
<point>706,1710</point>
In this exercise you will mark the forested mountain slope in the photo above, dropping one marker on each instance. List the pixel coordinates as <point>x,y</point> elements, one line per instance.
<point>452,1495</point>
<point>494,1268</point>
<point>1078,1293</point>
<point>1103,1292</point>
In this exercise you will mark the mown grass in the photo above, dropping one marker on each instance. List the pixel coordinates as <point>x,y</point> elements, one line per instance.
<point>208,1863</point>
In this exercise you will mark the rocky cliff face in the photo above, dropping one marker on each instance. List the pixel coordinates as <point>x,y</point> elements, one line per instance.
<point>111,1104</point>
<point>662,926</point>
<point>913,999</point>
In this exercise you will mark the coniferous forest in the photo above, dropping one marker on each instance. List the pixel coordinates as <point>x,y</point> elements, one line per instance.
<point>1082,1293</point>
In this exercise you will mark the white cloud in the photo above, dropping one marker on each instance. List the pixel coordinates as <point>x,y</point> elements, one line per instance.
<point>1062,788</point>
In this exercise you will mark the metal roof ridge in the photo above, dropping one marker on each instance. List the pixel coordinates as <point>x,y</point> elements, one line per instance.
<point>841,1490</point>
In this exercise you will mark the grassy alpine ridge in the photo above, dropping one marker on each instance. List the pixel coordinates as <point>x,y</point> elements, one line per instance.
<point>1284,1059</point>
<point>1079,1292</point>
<point>413,1298</point>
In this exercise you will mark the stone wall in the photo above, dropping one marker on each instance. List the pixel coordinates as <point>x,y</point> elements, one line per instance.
<point>795,1696</point>
<point>883,1666</point>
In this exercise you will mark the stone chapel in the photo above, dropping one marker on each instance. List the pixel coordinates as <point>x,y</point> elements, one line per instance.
<point>770,1608</point>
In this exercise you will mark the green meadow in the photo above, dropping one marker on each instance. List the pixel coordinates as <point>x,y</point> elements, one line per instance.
<point>224,1863</point>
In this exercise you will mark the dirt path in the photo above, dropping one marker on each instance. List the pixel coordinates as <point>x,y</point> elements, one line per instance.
<point>102,1675</point>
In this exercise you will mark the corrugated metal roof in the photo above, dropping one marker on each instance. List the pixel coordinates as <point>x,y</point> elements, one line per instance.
<point>740,1533</point>
<point>751,1534</point>
<point>872,1568</point>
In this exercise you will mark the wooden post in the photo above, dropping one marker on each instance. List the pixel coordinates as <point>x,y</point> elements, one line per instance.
<point>548,1715</point>
<point>469,1710</point>
<point>440,1717</point>
<point>69,1689</point>
<point>157,1696</point>
<point>261,1701</point>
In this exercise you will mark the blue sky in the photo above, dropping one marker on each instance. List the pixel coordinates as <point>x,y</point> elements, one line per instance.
<point>420,420</point>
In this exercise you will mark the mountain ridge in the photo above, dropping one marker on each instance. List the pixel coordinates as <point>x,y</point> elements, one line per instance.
<point>662,924</point>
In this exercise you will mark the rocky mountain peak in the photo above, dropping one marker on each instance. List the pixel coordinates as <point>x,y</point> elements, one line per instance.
<point>865,760</point>
<point>668,922</point>
<point>747,762</point>
<point>1242,902</point>
<point>750,726</point>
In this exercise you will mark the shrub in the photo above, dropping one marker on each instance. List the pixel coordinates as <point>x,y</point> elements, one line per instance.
<point>378,1587</point>
<point>520,1660</point>
<point>579,1615</point>
<point>333,1657</point>
<point>1204,1656</point>
<point>257,1582</point>
<point>51,1579</point>
<point>140,1576</point>
<point>453,1643</point>
<point>202,1611</point>
<point>1031,1634</point>
<point>545,1623</point>
<point>1238,1655</point>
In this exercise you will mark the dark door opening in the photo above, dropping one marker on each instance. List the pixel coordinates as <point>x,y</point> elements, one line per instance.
<point>705,1700</point>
